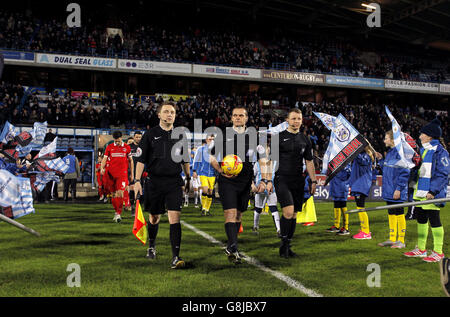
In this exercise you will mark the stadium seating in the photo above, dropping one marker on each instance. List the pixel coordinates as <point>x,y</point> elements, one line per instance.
<point>205,107</point>
<point>157,42</point>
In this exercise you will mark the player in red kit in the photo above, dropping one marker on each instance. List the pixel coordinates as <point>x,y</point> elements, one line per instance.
<point>99,177</point>
<point>119,156</point>
<point>106,181</point>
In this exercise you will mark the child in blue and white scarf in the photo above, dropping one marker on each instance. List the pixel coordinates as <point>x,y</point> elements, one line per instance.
<point>432,183</point>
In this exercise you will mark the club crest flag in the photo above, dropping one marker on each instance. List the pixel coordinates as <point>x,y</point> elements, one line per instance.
<point>140,225</point>
<point>345,143</point>
<point>404,149</point>
<point>326,119</point>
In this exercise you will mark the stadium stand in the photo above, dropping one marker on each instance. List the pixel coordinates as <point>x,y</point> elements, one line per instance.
<point>151,41</point>
<point>115,112</point>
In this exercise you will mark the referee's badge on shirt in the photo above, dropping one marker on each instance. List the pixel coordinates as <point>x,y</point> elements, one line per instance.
<point>138,152</point>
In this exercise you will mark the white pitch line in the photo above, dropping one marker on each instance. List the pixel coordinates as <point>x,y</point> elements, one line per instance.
<point>289,281</point>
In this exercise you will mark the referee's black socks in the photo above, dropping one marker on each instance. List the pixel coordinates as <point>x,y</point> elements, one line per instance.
<point>132,200</point>
<point>231,231</point>
<point>175,238</point>
<point>292,229</point>
<point>152,233</point>
<point>287,227</point>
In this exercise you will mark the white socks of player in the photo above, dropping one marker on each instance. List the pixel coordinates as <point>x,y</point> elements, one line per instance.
<point>195,197</point>
<point>276,219</point>
<point>256,216</point>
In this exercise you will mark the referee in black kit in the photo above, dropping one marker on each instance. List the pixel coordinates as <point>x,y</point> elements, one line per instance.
<point>234,191</point>
<point>164,188</point>
<point>289,182</point>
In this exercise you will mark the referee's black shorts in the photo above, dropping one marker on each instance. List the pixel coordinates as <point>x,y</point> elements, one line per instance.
<point>161,193</point>
<point>290,191</point>
<point>234,195</point>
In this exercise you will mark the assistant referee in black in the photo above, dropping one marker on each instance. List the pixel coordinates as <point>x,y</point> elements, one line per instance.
<point>289,182</point>
<point>164,188</point>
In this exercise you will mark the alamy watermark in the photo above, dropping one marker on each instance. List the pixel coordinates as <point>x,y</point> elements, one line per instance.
<point>374,278</point>
<point>74,278</point>
<point>248,146</point>
<point>374,18</point>
<point>74,18</point>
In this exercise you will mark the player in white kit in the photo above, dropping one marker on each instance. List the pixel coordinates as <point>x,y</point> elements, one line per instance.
<point>264,197</point>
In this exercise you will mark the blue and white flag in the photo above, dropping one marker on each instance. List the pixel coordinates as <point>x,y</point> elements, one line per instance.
<point>345,143</point>
<point>8,133</point>
<point>276,129</point>
<point>403,148</point>
<point>327,120</point>
<point>43,178</point>
<point>15,192</point>
<point>38,135</point>
<point>46,160</point>
<point>48,151</point>
<point>57,164</point>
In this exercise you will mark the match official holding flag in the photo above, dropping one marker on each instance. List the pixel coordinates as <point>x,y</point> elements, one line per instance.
<point>164,188</point>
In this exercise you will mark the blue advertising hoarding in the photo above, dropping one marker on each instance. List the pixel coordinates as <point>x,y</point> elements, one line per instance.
<point>355,81</point>
<point>18,56</point>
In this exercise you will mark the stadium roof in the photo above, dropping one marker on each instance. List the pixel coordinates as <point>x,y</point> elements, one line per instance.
<point>420,22</point>
<point>424,22</point>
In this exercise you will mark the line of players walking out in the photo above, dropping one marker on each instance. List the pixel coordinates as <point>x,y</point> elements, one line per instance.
<point>145,167</point>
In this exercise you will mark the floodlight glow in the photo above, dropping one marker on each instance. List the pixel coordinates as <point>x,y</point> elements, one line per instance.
<point>368,6</point>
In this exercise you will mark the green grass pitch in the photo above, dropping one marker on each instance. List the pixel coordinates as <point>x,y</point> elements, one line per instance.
<point>112,261</point>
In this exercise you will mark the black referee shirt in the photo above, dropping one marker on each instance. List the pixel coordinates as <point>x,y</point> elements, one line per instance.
<point>293,148</point>
<point>156,146</point>
<point>242,146</point>
<point>135,153</point>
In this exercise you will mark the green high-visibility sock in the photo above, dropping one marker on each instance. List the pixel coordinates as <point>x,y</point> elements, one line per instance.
<point>422,235</point>
<point>438,239</point>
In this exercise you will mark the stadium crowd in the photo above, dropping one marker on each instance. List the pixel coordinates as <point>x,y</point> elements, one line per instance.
<point>113,110</point>
<point>212,46</point>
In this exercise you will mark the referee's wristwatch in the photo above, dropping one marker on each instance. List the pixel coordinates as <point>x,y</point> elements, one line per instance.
<point>314,182</point>
<point>188,178</point>
<point>137,180</point>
